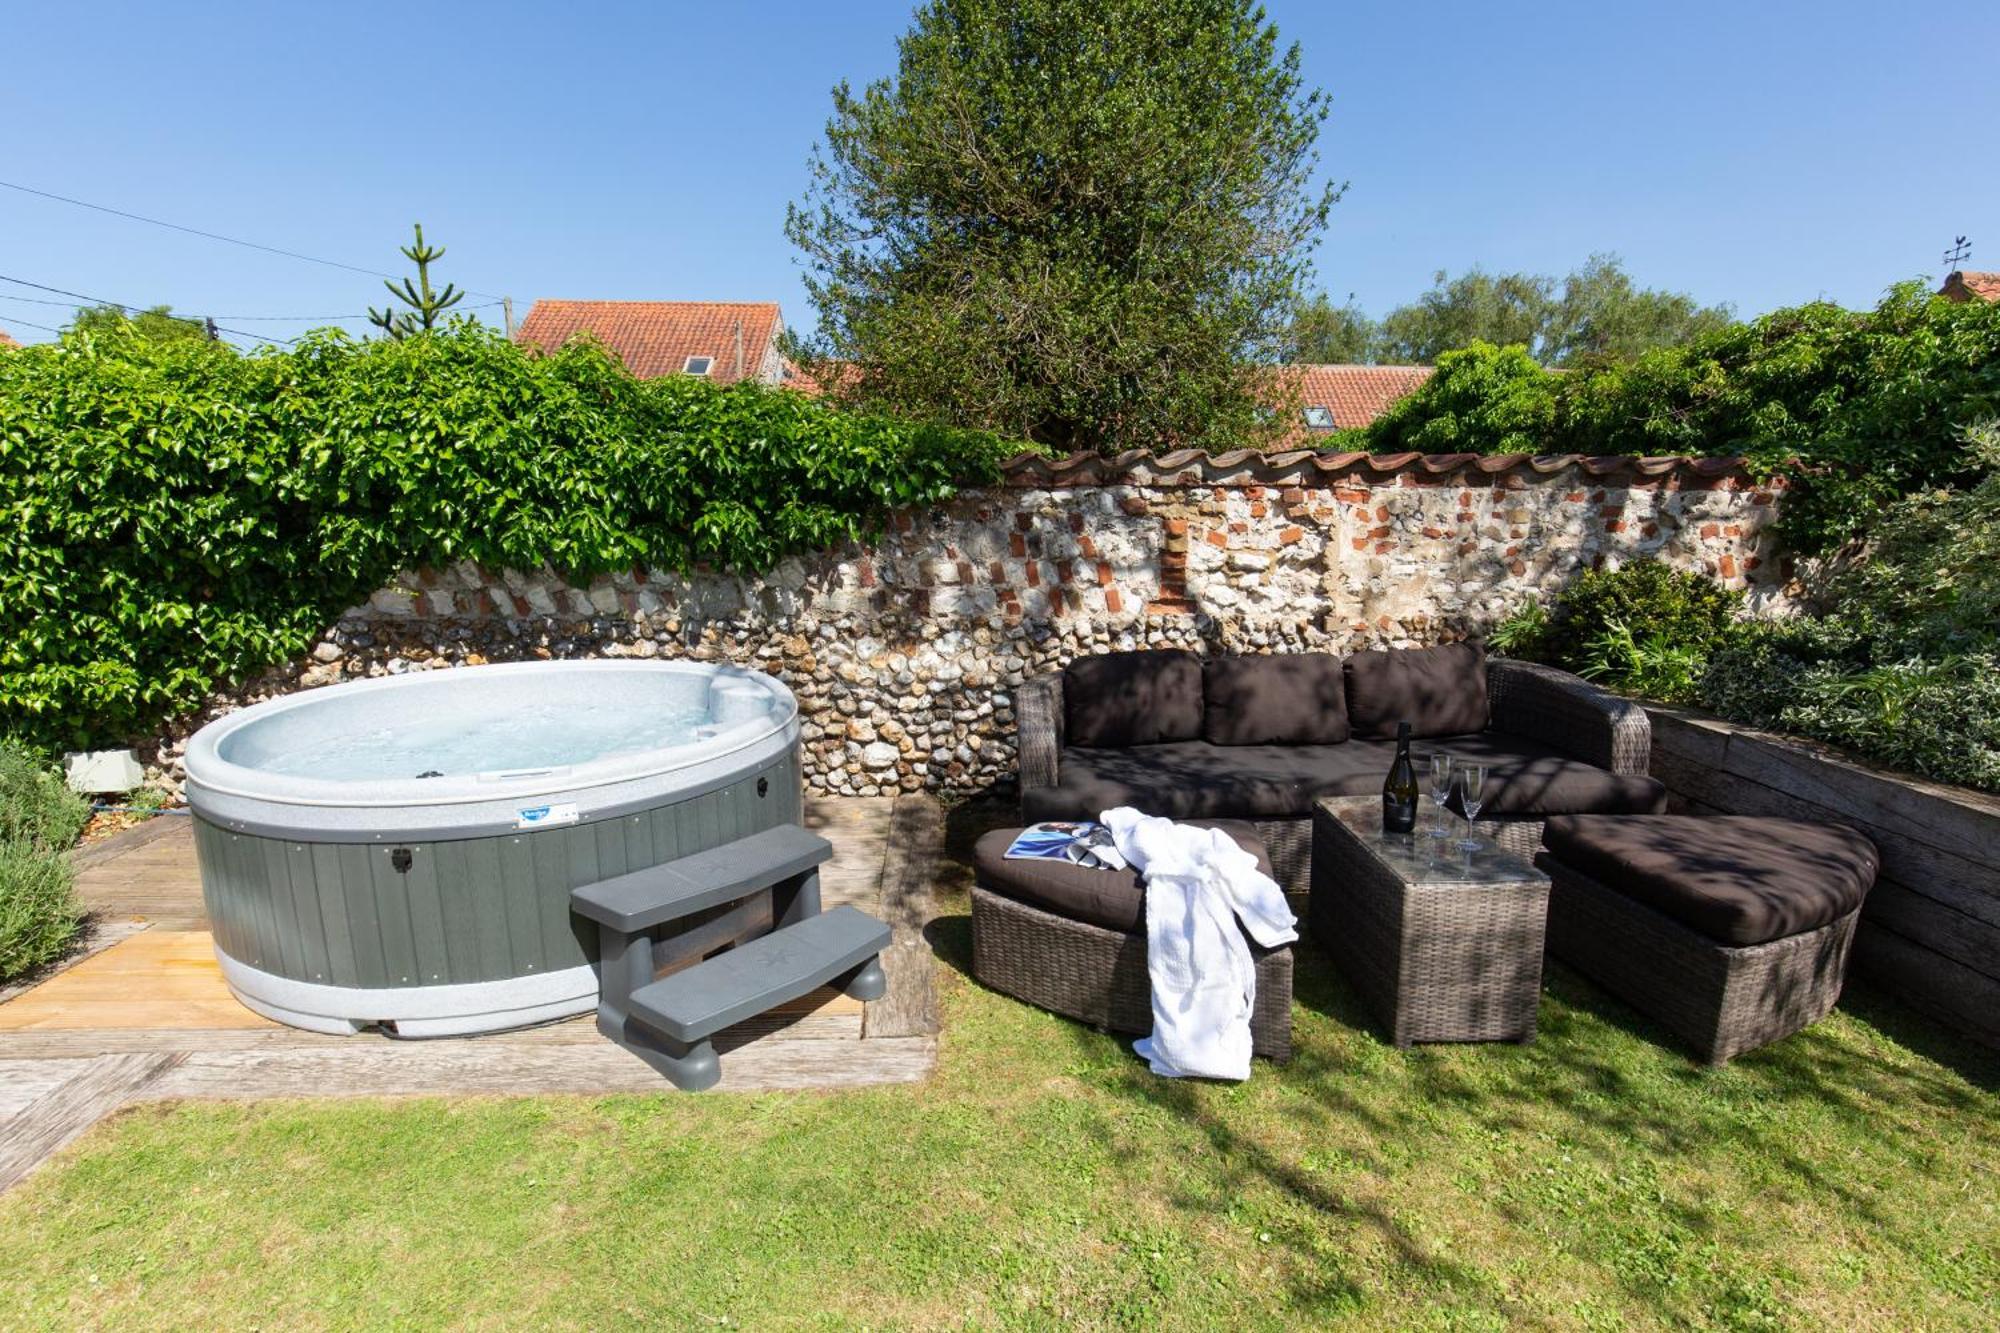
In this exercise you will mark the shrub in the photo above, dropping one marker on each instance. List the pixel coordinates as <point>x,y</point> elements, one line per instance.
<point>173,515</point>
<point>38,909</point>
<point>1481,400</point>
<point>36,806</point>
<point>1672,611</point>
<point>1863,406</point>
<point>1937,717</point>
<point>1904,667</point>
<point>1860,407</point>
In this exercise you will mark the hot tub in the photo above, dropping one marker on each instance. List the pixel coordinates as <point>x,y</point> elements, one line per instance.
<point>399,853</point>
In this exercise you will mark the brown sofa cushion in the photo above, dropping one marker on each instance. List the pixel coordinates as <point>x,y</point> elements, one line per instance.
<point>1739,880</point>
<point>1195,779</point>
<point>1113,899</point>
<point>1438,691</point>
<point>1140,698</point>
<point>1282,699</point>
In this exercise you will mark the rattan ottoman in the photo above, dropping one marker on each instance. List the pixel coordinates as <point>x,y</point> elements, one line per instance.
<point>1637,907</point>
<point>1441,945</point>
<point>1090,971</point>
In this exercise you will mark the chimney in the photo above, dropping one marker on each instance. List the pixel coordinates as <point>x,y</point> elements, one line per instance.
<point>739,349</point>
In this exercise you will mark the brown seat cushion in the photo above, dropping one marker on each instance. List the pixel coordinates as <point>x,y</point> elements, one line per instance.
<point>1438,691</point>
<point>1525,778</point>
<point>1281,699</point>
<point>1141,698</point>
<point>1197,780</point>
<point>1113,899</point>
<point>1737,879</point>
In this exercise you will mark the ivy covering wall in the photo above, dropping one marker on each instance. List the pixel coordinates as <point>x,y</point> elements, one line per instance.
<point>174,515</point>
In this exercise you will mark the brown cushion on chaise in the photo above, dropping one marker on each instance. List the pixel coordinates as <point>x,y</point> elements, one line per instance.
<point>1286,699</point>
<point>1438,691</point>
<point>1113,899</point>
<point>1740,880</point>
<point>1143,698</point>
<point>1193,779</point>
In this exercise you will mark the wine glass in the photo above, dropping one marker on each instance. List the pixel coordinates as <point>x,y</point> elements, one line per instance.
<point>1441,776</point>
<point>1471,794</point>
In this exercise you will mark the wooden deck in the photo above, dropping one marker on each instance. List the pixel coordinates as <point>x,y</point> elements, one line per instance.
<point>145,1014</point>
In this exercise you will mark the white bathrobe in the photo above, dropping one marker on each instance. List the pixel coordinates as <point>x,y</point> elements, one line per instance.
<point>1199,883</point>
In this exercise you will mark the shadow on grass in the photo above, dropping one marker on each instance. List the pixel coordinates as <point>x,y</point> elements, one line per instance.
<point>1602,1081</point>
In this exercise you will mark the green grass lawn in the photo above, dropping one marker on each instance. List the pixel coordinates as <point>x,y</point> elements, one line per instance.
<point>1596,1179</point>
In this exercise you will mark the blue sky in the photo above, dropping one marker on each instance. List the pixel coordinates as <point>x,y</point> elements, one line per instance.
<point>1755,153</point>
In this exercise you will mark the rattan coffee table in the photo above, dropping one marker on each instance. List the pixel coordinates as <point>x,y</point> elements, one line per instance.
<point>1442,945</point>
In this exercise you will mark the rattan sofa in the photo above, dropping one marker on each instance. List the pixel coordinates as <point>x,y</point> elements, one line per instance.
<point>1554,744</point>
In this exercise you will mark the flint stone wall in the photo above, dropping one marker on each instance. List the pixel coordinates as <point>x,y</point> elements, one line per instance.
<point>904,654</point>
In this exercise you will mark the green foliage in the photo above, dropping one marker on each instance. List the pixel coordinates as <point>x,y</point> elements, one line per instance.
<point>426,306</point>
<point>1645,628</point>
<point>1864,406</point>
<point>39,819</point>
<point>1652,665</point>
<point>1482,400</point>
<point>1861,407</point>
<point>1524,633</point>
<point>1331,335</point>
<point>36,805</point>
<point>1083,222</point>
<point>39,915</point>
<point>159,324</point>
<point>172,517</point>
<point>1904,667</point>
<point>1596,314</point>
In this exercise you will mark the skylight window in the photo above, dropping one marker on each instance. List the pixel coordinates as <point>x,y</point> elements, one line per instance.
<point>698,365</point>
<point>1319,418</point>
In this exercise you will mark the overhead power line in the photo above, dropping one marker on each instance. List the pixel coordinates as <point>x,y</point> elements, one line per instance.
<point>98,300</point>
<point>212,235</point>
<point>281,319</point>
<point>30,324</point>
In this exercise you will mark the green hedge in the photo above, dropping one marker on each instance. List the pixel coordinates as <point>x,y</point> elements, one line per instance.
<point>1862,407</point>
<point>174,515</point>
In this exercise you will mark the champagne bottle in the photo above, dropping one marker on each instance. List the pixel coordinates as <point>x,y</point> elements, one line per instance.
<point>1399,792</point>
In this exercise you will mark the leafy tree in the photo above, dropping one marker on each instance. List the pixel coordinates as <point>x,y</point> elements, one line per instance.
<point>425,304</point>
<point>1595,314</point>
<point>1482,400</point>
<point>1085,222</point>
<point>1601,316</point>
<point>159,324</point>
<point>1504,309</point>
<point>1327,334</point>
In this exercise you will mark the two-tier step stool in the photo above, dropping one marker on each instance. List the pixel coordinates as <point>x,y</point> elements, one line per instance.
<point>643,924</point>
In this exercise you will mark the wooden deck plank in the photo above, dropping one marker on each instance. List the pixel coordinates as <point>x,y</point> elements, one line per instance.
<point>72,1106</point>
<point>472,1068</point>
<point>916,840</point>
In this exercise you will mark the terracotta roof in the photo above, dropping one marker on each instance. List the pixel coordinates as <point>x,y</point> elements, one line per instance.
<point>1251,467</point>
<point>656,338</point>
<point>1352,395</point>
<point>7,340</point>
<point>1963,286</point>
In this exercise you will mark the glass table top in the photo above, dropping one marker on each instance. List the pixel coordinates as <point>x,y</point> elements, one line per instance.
<point>1418,858</point>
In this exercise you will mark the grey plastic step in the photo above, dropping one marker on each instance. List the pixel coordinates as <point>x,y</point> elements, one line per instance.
<point>645,898</point>
<point>762,974</point>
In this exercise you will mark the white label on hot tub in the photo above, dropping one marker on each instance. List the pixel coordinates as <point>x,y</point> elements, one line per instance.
<point>541,816</point>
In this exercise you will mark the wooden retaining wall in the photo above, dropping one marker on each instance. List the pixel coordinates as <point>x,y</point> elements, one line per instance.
<point>1931,931</point>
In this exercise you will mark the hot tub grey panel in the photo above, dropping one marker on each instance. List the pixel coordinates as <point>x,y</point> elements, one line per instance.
<point>466,910</point>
